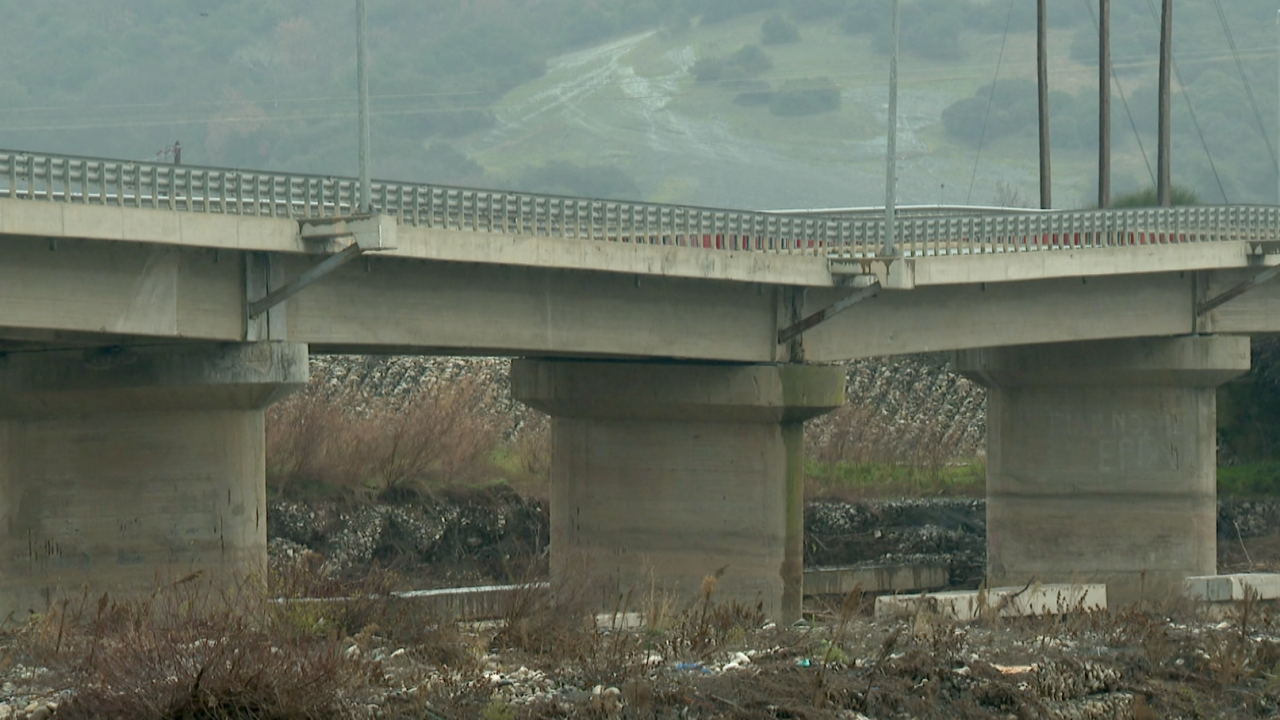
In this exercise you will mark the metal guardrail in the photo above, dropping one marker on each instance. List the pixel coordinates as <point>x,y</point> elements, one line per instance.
<point>96,181</point>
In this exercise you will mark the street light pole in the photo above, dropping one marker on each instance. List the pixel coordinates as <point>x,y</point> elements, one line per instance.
<point>1104,104</point>
<point>1164,185</point>
<point>362,73</point>
<point>891,161</point>
<point>1042,90</point>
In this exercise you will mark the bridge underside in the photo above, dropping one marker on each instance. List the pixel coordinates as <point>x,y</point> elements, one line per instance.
<point>76,293</point>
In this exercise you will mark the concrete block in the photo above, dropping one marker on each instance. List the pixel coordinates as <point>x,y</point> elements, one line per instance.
<point>474,603</point>
<point>875,579</point>
<point>1229,588</point>
<point>447,604</point>
<point>1007,602</point>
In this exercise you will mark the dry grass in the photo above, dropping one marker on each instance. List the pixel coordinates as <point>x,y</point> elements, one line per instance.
<point>858,435</point>
<point>189,651</point>
<point>318,442</point>
<point>856,453</point>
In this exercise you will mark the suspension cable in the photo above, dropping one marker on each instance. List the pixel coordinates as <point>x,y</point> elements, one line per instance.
<point>1248,87</point>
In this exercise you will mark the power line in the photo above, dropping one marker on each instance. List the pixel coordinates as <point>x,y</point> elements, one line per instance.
<point>1132,62</point>
<point>1248,87</point>
<point>990,98</point>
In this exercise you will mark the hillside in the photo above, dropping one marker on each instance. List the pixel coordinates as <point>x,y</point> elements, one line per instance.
<point>748,103</point>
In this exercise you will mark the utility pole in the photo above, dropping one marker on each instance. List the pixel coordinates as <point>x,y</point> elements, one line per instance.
<point>1104,103</point>
<point>1042,70</point>
<point>891,161</point>
<point>362,73</point>
<point>1164,195</point>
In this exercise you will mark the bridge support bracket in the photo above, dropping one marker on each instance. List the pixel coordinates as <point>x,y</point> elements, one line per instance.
<point>1263,277</point>
<point>825,314</point>
<point>366,233</point>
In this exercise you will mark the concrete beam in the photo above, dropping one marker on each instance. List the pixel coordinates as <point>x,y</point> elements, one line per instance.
<point>114,293</point>
<point>154,378</point>
<point>614,257</point>
<point>953,317</point>
<point>664,474</point>
<point>121,289</point>
<point>282,235</point>
<point>1252,312</point>
<point>661,391</point>
<point>1078,263</point>
<point>487,309</point>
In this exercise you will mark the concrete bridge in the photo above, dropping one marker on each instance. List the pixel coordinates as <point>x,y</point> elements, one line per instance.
<point>149,313</point>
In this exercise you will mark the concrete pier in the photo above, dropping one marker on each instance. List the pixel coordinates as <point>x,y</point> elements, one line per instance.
<point>126,467</point>
<point>663,474</point>
<point>1101,461</point>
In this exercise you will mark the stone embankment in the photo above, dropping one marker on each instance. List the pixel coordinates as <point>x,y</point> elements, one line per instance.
<point>494,535</point>
<point>899,403</point>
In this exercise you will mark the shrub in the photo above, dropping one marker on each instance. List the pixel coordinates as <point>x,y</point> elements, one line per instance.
<point>752,93</point>
<point>1147,197</point>
<point>714,11</point>
<point>814,10</point>
<point>751,61</point>
<point>189,652</point>
<point>440,436</point>
<point>856,452</point>
<point>565,178</point>
<point>809,97</point>
<point>326,443</point>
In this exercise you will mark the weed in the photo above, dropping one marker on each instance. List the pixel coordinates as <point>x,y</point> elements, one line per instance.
<point>190,651</point>
<point>833,652</point>
<point>338,443</point>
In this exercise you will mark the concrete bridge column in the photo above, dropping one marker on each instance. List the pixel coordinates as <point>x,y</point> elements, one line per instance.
<point>1101,460</point>
<point>126,467</point>
<point>663,474</point>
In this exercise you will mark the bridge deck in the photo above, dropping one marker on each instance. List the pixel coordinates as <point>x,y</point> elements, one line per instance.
<point>848,235</point>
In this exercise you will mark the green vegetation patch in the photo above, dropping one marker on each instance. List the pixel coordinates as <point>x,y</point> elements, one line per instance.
<point>1252,480</point>
<point>851,481</point>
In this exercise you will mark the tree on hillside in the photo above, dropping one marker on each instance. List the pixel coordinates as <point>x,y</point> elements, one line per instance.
<point>778,30</point>
<point>1147,198</point>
